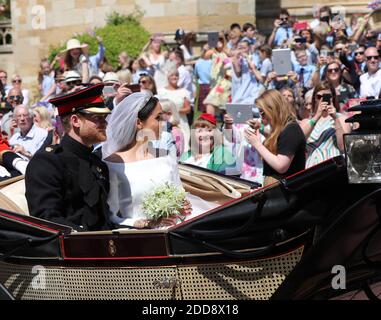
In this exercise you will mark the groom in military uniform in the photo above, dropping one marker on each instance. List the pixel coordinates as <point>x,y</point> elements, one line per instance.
<point>67,183</point>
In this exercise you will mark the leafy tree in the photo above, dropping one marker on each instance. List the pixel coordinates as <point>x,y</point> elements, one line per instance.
<point>5,9</point>
<point>121,33</point>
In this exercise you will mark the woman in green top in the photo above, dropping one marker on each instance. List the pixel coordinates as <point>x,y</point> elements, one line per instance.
<point>207,150</point>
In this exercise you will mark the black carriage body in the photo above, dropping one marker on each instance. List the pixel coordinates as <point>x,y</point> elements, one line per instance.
<point>251,242</point>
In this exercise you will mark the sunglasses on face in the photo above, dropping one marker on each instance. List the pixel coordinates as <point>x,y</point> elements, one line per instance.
<point>283,19</point>
<point>16,81</point>
<point>143,82</point>
<point>74,83</point>
<point>15,98</point>
<point>261,112</point>
<point>371,57</point>
<point>333,70</point>
<point>359,53</point>
<point>320,96</point>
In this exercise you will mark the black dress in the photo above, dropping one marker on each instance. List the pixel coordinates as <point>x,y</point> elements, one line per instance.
<point>68,184</point>
<point>291,141</point>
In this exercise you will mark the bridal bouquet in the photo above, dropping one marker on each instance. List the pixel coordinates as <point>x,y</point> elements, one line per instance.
<point>164,201</point>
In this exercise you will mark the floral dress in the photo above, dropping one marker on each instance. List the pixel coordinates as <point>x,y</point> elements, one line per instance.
<point>221,72</point>
<point>249,164</point>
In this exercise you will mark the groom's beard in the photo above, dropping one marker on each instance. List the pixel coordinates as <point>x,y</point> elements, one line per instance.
<point>93,136</point>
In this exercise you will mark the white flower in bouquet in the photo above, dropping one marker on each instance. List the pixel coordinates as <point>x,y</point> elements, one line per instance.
<point>164,201</point>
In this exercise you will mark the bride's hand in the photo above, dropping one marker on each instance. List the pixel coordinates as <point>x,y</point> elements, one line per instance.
<point>141,223</point>
<point>187,209</point>
<point>167,222</point>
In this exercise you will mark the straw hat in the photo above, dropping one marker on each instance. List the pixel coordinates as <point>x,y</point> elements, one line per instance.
<point>111,77</point>
<point>72,75</point>
<point>75,44</point>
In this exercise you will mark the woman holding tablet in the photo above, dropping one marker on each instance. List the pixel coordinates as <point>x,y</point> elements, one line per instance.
<point>283,150</point>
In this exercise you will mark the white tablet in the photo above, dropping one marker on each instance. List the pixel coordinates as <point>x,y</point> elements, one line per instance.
<point>240,112</point>
<point>281,60</point>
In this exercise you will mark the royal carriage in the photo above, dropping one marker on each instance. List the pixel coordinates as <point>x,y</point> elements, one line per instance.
<point>277,242</point>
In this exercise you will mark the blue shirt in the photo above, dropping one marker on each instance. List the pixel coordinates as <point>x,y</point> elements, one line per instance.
<point>245,89</point>
<point>281,34</point>
<point>308,71</point>
<point>266,67</point>
<point>32,141</point>
<point>96,59</point>
<point>46,85</point>
<point>202,71</point>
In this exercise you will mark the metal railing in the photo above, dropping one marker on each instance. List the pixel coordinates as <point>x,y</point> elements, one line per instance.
<point>6,36</point>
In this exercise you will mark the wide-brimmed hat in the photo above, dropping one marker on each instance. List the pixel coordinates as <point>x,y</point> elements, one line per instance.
<point>88,100</point>
<point>75,44</point>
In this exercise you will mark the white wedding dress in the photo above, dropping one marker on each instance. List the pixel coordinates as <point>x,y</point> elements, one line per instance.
<point>130,182</point>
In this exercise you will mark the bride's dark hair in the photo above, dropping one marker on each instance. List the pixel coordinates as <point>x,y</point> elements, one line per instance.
<point>146,111</point>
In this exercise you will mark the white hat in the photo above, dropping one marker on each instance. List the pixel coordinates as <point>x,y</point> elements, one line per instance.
<point>111,77</point>
<point>74,44</point>
<point>72,75</point>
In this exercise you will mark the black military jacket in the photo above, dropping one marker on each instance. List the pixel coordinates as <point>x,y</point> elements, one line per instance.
<point>68,184</point>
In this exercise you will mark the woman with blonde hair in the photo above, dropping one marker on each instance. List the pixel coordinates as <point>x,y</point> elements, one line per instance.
<point>283,150</point>
<point>181,99</point>
<point>42,118</point>
<point>171,115</point>
<point>124,76</point>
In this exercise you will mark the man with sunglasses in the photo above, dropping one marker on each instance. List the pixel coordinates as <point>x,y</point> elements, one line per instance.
<point>371,81</point>
<point>68,183</point>
<point>73,80</point>
<point>282,29</point>
<point>17,84</point>
<point>14,98</point>
<point>355,67</point>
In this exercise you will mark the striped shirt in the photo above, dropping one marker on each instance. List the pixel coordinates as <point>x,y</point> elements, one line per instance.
<point>322,143</point>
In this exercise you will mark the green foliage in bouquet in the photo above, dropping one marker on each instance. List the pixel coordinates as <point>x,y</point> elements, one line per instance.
<point>122,33</point>
<point>164,200</point>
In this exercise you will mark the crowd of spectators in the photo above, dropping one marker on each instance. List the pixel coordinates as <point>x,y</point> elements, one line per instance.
<point>334,64</point>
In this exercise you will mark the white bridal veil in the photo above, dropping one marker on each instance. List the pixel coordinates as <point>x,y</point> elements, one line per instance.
<point>121,123</point>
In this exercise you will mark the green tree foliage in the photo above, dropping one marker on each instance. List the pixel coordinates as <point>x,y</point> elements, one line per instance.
<point>122,33</point>
<point>5,9</point>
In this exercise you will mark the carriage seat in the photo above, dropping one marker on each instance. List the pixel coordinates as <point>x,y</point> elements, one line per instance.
<point>12,197</point>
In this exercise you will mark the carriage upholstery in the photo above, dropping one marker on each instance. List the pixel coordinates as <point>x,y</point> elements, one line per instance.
<point>209,186</point>
<point>12,196</point>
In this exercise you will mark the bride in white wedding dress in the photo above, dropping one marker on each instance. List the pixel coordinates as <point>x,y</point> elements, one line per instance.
<point>134,171</point>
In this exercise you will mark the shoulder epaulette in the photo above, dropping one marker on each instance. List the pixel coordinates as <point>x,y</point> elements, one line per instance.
<point>53,148</point>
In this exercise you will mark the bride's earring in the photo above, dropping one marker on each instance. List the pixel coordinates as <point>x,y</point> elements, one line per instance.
<point>139,125</point>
